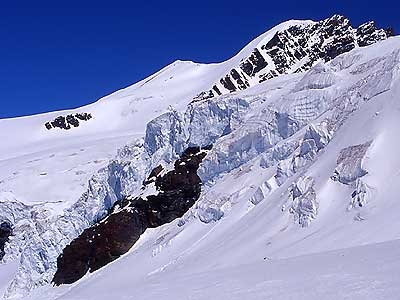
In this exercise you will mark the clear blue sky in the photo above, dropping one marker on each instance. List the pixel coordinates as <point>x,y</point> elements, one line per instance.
<point>64,54</point>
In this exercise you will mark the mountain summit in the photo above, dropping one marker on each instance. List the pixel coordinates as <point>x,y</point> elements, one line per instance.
<point>294,47</point>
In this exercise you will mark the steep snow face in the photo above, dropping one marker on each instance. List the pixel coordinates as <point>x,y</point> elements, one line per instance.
<point>270,187</point>
<point>273,196</point>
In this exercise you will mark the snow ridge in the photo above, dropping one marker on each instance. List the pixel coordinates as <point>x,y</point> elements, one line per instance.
<point>295,47</point>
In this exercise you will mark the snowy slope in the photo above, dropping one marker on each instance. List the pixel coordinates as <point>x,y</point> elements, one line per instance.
<point>44,174</point>
<point>256,251</point>
<point>117,119</point>
<point>69,158</point>
<point>302,165</point>
<point>341,274</point>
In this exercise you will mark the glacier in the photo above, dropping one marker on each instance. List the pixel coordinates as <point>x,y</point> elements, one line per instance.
<point>301,163</point>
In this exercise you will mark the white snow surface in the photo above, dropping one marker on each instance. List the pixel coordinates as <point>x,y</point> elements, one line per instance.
<point>275,220</point>
<point>352,273</point>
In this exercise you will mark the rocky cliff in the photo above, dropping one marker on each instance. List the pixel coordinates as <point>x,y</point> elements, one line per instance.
<point>171,195</point>
<point>297,49</point>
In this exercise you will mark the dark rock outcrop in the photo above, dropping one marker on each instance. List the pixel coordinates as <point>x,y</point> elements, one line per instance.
<point>216,89</point>
<point>297,49</point>
<point>389,31</point>
<point>68,121</point>
<point>254,63</point>
<point>368,33</point>
<point>176,192</point>
<point>5,232</point>
<point>228,84</point>
<point>242,84</point>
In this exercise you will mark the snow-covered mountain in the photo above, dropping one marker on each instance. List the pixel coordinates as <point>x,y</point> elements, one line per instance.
<point>271,175</point>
